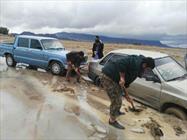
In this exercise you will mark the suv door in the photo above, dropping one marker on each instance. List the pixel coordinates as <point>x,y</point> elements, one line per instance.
<point>147,92</point>
<point>21,51</point>
<point>36,56</point>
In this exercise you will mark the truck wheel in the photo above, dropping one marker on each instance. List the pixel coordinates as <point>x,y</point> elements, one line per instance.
<point>97,81</point>
<point>10,61</point>
<point>178,112</point>
<point>57,68</point>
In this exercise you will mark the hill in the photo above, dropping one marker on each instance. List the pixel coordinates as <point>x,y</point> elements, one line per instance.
<point>105,39</point>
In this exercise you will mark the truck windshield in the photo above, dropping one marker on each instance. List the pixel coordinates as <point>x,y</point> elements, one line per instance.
<point>52,44</point>
<point>169,69</point>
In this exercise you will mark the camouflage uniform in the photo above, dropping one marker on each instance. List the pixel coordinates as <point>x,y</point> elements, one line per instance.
<point>114,93</point>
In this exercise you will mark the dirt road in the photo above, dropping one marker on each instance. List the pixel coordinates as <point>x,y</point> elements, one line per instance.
<point>30,109</point>
<point>37,105</point>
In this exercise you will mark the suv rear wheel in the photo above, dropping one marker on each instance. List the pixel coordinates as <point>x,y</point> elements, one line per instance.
<point>10,60</point>
<point>176,111</point>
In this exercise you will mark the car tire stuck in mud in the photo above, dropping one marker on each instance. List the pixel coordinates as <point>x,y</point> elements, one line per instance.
<point>176,111</point>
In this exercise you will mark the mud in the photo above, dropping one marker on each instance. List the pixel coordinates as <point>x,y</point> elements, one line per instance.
<point>135,110</point>
<point>64,89</point>
<point>178,130</point>
<point>155,129</point>
<point>30,110</point>
<point>37,105</point>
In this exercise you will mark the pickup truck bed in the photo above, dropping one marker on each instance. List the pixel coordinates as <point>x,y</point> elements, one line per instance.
<point>6,48</point>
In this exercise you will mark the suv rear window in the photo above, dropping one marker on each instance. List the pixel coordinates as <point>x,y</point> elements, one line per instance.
<point>23,42</point>
<point>115,57</point>
<point>106,59</point>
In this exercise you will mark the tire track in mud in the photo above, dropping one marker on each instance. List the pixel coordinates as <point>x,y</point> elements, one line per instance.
<point>36,122</point>
<point>84,112</point>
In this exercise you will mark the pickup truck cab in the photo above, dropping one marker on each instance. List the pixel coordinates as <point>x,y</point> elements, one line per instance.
<point>38,52</point>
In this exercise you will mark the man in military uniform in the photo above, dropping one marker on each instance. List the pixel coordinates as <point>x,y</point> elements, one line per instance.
<point>119,74</point>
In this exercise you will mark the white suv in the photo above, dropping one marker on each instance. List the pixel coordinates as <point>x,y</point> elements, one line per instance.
<point>165,90</point>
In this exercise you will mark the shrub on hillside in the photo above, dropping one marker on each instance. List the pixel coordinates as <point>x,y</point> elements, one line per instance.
<point>4,30</point>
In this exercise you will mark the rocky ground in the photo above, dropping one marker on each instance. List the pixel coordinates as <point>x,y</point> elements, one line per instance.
<point>37,105</point>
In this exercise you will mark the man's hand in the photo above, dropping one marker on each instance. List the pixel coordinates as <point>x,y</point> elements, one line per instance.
<point>73,66</point>
<point>127,95</point>
<point>95,52</point>
<point>122,79</point>
<point>122,82</point>
<point>69,62</point>
<point>128,98</point>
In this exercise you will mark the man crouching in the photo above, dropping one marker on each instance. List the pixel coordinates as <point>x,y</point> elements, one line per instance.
<point>74,60</point>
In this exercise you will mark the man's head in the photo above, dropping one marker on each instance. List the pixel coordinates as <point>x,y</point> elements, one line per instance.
<point>148,64</point>
<point>81,56</point>
<point>81,53</point>
<point>96,38</point>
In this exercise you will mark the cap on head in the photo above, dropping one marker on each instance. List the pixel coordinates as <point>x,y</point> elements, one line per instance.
<point>97,37</point>
<point>150,62</point>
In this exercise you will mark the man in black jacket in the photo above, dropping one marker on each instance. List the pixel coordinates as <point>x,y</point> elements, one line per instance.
<point>97,50</point>
<point>74,60</point>
<point>118,75</point>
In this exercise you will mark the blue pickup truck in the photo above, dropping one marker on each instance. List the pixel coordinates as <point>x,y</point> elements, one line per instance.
<point>38,52</point>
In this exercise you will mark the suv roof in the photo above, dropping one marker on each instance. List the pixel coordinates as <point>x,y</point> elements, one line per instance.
<point>140,52</point>
<point>35,37</point>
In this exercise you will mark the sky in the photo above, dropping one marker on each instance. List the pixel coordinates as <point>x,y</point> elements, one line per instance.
<point>113,18</point>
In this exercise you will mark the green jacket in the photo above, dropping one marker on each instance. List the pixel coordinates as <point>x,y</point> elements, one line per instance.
<point>130,65</point>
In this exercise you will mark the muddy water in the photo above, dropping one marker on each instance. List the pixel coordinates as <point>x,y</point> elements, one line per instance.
<point>31,110</point>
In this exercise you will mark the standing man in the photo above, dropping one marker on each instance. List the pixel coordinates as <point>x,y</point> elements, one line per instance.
<point>74,60</point>
<point>118,75</point>
<point>97,50</point>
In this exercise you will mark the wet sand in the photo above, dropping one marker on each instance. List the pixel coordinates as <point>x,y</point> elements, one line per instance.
<point>31,109</point>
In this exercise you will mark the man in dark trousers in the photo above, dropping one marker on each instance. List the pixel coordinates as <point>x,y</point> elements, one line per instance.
<point>97,50</point>
<point>74,60</point>
<point>118,75</point>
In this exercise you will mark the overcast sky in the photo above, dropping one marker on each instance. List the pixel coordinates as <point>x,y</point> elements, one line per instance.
<point>96,17</point>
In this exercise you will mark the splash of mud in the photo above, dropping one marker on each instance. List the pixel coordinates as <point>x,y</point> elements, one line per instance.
<point>154,127</point>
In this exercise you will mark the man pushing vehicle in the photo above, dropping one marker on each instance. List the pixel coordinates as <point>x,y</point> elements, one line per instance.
<point>117,76</point>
